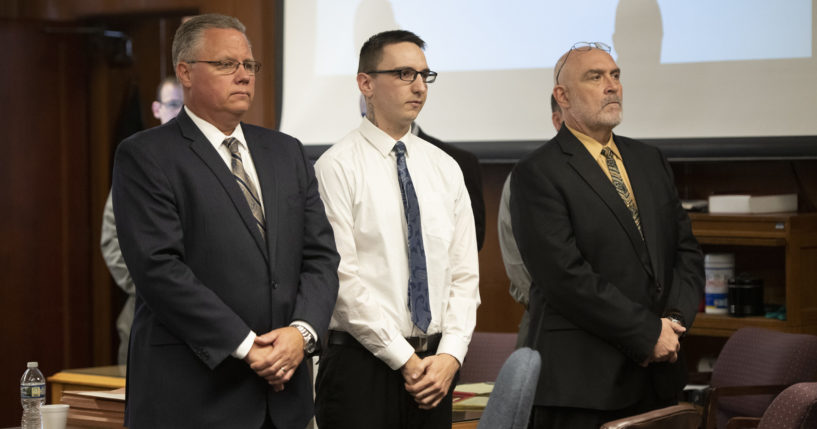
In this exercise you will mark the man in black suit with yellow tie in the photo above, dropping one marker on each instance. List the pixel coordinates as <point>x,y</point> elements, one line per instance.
<point>223,230</point>
<point>617,274</point>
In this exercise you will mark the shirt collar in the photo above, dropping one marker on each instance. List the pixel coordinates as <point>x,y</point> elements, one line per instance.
<point>213,134</point>
<point>592,145</point>
<point>381,141</point>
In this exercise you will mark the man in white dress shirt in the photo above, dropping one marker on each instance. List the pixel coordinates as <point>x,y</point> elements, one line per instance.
<point>385,365</point>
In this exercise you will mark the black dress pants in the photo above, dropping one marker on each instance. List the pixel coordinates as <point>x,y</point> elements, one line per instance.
<point>356,390</point>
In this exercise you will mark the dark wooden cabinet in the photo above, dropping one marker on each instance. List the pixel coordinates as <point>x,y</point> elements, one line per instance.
<point>779,248</point>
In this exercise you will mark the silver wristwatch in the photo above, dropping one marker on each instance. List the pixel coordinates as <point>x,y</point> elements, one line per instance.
<point>309,340</point>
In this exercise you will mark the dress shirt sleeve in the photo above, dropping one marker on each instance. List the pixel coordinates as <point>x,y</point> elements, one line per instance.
<point>514,267</point>
<point>461,311</point>
<point>361,314</point>
<point>111,252</point>
<point>244,348</point>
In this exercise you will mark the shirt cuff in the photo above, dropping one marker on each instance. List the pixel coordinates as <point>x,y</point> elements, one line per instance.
<point>308,328</point>
<point>454,346</point>
<point>244,348</point>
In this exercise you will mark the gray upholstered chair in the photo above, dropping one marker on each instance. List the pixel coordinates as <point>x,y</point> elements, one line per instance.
<point>486,353</point>
<point>511,400</point>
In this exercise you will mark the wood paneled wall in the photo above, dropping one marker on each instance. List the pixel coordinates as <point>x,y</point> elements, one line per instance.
<point>64,101</point>
<point>45,272</point>
<point>498,311</point>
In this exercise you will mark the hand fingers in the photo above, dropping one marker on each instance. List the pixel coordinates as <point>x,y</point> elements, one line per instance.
<point>276,370</point>
<point>267,338</point>
<point>430,401</point>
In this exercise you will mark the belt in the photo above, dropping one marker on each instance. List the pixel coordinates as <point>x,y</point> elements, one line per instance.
<point>420,344</point>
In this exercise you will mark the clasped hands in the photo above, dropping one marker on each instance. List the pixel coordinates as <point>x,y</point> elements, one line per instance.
<point>667,347</point>
<point>276,355</point>
<point>429,379</point>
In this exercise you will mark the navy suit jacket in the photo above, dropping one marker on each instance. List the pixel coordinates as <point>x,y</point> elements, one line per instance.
<point>598,289</point>
<point>205,276</point>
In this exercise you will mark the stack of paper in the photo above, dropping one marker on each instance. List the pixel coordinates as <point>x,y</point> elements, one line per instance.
<point>96,409</point>
<point>753,203</point>
<point>472,396</point>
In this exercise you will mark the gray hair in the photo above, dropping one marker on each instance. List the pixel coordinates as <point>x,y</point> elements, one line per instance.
<point>188,36</point>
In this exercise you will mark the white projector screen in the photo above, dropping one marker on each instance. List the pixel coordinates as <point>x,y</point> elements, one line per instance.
<point>690,69</point>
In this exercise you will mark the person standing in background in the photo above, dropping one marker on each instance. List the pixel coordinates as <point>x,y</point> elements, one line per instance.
<point>514,267</point>
<point>166,106</point>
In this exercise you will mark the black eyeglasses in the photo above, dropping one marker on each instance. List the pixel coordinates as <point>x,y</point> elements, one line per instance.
<point>231,66</point>
<point>408,74</point>
<point>582,46</point>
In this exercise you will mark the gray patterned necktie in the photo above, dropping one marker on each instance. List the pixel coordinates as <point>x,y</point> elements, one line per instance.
<point>246,185</point>
<point>621,187</point>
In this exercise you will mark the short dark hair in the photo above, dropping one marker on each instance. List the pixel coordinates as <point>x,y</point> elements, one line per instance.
<point>372,51</point>
<point>554,106</point>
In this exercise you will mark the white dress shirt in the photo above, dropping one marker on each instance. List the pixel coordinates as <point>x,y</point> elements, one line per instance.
<point>358,184</point>
<point>216,138</point>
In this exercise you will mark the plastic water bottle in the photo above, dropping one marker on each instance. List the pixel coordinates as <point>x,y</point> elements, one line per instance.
<point>32,395</point>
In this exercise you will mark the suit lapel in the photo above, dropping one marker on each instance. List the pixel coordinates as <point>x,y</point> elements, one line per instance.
<point>266,168</point>
<point>639,180</point>
<point>592,174</point>
<point>205,151</point>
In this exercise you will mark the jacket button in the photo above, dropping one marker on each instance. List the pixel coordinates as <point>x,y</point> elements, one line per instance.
<point>275,285</point>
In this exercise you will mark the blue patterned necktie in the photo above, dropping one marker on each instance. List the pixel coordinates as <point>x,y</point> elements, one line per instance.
<point>621,187</point>
<point>246,185</point>
<point>418,276</point>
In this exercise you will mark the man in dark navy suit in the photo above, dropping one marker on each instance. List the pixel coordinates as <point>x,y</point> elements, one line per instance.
<point>223,230</point>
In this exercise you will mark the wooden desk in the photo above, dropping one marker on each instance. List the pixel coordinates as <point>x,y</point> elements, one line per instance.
<point>465,419</point>
<point>113,377</point>
<point>97,378</point>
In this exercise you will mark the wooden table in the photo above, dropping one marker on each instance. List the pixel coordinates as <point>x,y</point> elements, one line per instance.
<point>113,377</point>
<point>97,378</point>
<point>465,419</point>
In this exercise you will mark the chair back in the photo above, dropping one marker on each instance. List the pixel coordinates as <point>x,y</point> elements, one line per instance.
<point>486,353</point>
<point>511,400</point>
<point>794,408</point>
<point>755,357</point>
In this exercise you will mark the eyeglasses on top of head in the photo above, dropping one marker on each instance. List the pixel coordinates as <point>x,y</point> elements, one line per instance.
<point>231,66</point>
<point>582,46</point>
<point>408,74</point>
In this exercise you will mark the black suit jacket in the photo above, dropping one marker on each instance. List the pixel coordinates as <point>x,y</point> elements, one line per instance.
<point>599,290</point>
<point>205,276</point>
<point>472,174</point>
